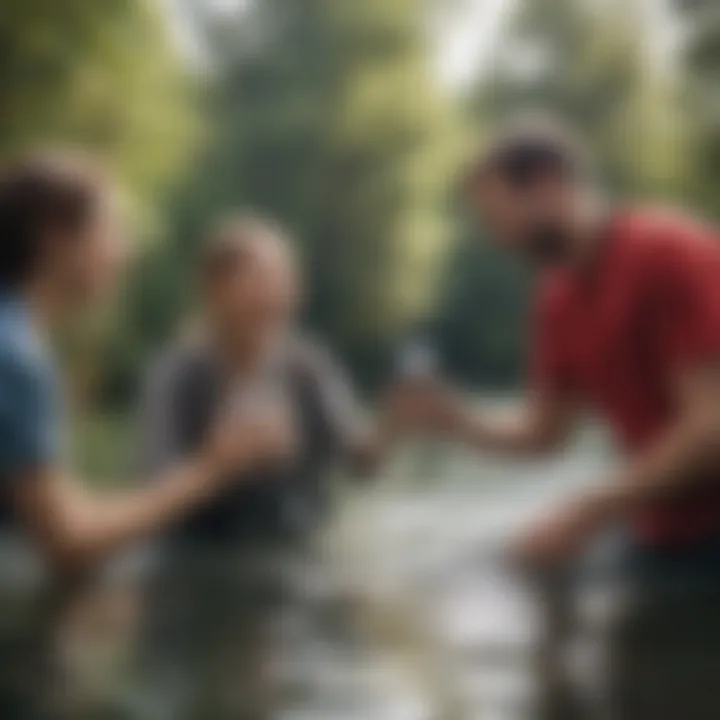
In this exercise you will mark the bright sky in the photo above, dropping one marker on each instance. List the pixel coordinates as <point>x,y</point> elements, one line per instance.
<point>465,30</point>
<point>465,37</point>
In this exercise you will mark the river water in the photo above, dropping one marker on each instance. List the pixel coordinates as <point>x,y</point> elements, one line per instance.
<point>445,629</point>
<point>407,611</point>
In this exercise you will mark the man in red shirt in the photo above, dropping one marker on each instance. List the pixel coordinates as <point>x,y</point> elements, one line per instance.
<point>626,324</point>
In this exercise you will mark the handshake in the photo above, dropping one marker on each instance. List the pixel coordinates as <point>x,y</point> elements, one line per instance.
<point>424,406</point>
<point>419,402</point>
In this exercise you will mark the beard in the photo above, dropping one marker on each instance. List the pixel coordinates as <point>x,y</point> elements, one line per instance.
<point>546,245</point>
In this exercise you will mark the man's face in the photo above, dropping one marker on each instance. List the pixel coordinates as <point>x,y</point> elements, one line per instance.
<point>254,304</point>
<point>86,264</point>
<point>534,219</point>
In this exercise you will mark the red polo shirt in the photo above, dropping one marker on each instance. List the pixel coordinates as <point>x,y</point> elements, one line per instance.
<point>617,335</point>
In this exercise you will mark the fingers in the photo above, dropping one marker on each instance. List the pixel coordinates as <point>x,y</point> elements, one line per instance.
<point>265,436</point>
<point>558,537</point>
<point>276,436</point>
<point>425,406</point>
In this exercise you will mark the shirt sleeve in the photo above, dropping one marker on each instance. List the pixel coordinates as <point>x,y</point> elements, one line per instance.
<point>340,415</point>
<point>686,298</point>
<point>29,429</point>
<point>159,442</point>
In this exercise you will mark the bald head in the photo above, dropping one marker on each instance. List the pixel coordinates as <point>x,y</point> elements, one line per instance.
<point>251,283</point>
<point>239,242</point>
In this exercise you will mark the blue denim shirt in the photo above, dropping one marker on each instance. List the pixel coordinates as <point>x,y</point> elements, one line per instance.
<point>29,406</point>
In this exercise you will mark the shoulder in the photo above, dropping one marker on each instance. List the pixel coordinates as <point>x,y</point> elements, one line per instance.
<point>661,243</point>
<point>24,365</point>
<point>29,401</point>
<point>312,360</point>
<point>180,363</point>
<point>310,353</point>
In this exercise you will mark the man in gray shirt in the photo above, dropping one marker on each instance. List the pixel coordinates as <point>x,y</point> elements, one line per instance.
<point>223,576</point>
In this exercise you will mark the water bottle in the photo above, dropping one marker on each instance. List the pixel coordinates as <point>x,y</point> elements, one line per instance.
<point>418,362</point>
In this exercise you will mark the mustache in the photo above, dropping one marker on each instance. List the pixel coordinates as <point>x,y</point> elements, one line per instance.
<point>546,245</point>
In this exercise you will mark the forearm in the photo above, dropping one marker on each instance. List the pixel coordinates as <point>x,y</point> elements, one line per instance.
<point>684,456</point>
<point>93,526</point>
<point>372,446</point>
<point>521,431</point>
<point>518,433</point>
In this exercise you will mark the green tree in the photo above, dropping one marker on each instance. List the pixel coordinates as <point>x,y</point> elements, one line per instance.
<point>324,114</point>
<point>482,322</point>
<point>700,70</point>
<point>600,65</point>
<point>100,74</point>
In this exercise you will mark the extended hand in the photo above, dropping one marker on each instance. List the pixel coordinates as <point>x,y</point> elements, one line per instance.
<point>425,406</point>
<point>561,535</point>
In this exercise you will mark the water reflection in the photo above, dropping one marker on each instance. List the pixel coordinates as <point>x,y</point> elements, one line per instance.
<point>399,613</point>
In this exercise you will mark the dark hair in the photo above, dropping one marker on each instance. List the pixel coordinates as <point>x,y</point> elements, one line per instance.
<point>42,193</point>
<point>528,148</point>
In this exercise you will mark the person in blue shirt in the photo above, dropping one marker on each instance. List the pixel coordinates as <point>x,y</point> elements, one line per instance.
<point>61,250</point>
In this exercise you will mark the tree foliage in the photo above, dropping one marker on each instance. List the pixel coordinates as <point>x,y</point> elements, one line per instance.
<point>325,116</point>
<point>101,74</point>
<point>701,65</point>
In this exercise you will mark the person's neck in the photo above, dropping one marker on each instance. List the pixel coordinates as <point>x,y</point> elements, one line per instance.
<point>589,232</point>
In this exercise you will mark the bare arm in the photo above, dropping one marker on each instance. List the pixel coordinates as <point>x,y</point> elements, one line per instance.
<point>683,301</point>
<point>362,440</point>
<point>75,528</point>
<point>539,425</point>
<point>685,453</point>
<point>372,444</point>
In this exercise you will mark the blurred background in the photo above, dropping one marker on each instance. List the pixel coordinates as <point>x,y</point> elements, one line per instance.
<point>349,122</point>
